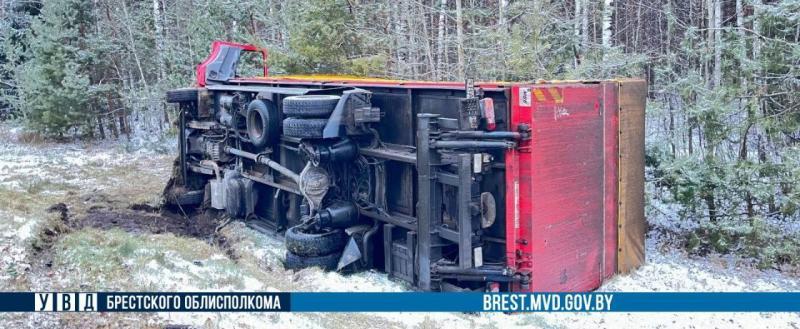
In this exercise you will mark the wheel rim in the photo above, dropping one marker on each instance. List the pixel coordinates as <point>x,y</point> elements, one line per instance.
<point>257,125</point>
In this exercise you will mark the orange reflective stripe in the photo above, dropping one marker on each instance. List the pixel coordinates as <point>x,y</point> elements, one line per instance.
<point>539,95</point>
<point>556,95</point>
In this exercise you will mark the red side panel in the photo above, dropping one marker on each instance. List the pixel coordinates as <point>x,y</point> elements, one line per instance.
<point>555,187</point>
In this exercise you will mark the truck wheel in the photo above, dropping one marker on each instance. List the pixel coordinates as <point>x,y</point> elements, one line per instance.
<point>177,196</point>
<point>314,244</point>
<point>304,128</point>
<point>327,262</point>
<point>310,106</point>
<point>182,95</point>
<point>262,122</point>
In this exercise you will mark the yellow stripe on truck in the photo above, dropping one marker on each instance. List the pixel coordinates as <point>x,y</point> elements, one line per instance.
<point>556,95</point>
<point>539,95</point>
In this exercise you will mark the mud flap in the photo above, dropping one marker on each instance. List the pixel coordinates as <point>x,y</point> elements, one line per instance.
<point>350,255</point>
<point>352,252</point>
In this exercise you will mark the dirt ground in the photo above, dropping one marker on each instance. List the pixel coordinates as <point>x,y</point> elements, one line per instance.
<point>86,217</point>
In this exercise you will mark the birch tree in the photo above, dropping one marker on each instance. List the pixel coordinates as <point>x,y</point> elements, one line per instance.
<point>440,42</point>
<point>578,19</point>
<point>585,9</point>
<point>460,39</point>
<point>502,6</point>
<point>717,28</point>
<point>608,12</point>
<point>159,37</point>
<point>710,45</point>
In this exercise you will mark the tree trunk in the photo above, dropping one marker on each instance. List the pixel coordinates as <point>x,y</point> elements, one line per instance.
<point>166,116</point>
<point>584,24</point>
<point>577,22</point>
<point>501,16</point>
<point>671,124</point>
<point>743,45</point>
<point>428,49</point>
<point>412,51</point>
<point>608,13</point>
<point>671,98</point>
<point>757,28</point>
<point>440,40</point>
<point>132,45</point>
<point>717,43</point>
<point>159,37</point>
<point>709,10</point>
<point>460,40</point>
<point>112,125</point>
<point>740,17</point>
<point>638,30</point>
<point>399,42</point>
<point>123,125</point>
<point>757,53</point>
<point>577,30</point>
<point>100,127</point>
<point>749,119</point>
<point>501,69</point>
<point>712,206</point>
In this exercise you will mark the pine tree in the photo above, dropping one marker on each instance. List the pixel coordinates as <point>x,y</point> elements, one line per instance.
<point>54,85</point>
<point>321,39</point>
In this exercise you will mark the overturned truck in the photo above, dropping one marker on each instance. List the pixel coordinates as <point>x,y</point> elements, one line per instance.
<point>448,186</point>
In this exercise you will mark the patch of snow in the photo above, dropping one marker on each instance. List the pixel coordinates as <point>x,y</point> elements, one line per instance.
<point>26,231</point>
<point>674,271</point>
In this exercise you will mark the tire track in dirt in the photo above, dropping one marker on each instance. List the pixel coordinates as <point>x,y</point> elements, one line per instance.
<point>203,225</point>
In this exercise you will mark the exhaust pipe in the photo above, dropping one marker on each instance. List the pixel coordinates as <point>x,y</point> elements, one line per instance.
<point>267,161</point>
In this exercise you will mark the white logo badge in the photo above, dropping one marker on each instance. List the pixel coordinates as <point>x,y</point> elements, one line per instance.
<point>524,96</point>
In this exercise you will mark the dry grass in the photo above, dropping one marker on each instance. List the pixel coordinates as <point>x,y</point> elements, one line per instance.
<point>30,138</point>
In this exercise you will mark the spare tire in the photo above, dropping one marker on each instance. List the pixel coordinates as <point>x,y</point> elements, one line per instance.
<point>182,95</point>
<point>310,106</point>
<point>296,262</point>
<point>314,244</point>
<point>262,122</point>
<point>304,128</point>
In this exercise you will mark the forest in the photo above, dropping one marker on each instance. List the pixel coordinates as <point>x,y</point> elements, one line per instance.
<point>723,115</point>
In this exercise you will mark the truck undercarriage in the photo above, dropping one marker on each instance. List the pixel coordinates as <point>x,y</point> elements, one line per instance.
<point>496,187</point>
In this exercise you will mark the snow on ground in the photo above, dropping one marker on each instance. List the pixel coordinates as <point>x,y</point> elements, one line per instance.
<point>33,177</point>
<point>665,270</point>
<point>669,270</point>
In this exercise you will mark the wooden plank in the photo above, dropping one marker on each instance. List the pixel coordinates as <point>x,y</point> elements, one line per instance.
<point>631,221</point>
<point>610,180</point>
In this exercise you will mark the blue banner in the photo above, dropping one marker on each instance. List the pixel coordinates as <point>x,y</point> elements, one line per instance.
<point>546,302</point>
<point>397,302</point>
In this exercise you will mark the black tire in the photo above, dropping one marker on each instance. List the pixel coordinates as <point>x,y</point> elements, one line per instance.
<point>179,197</point>
<point>310,106</point>
<point>327,262</point>
<point>262,123</point>
<point>314,244</point>
<point>304,128</point>
<point>182,95</point>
